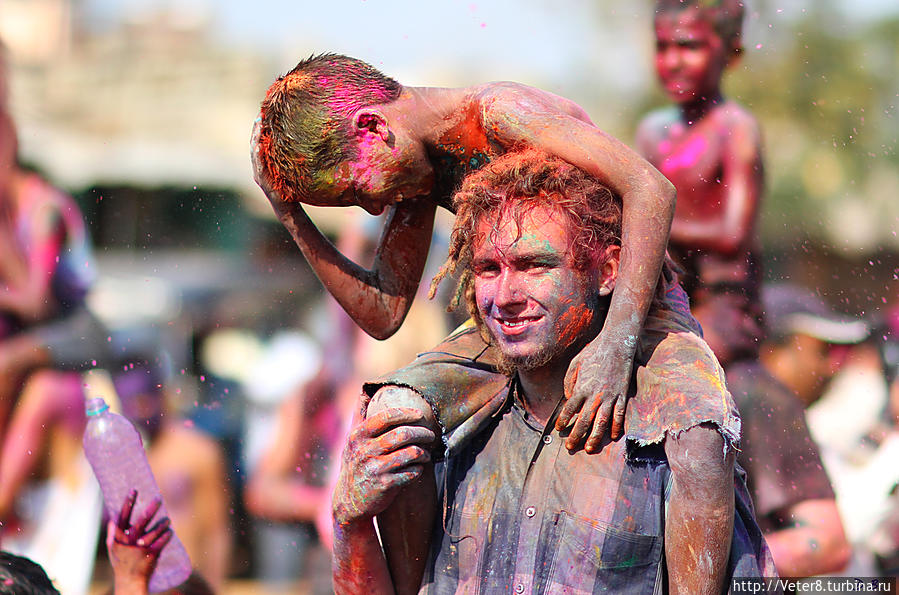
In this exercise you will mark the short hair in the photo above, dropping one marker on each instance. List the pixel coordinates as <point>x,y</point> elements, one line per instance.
<point>515,184</point>
<point>21,576</point>
<point>305,126</point>
<point>726,16</point>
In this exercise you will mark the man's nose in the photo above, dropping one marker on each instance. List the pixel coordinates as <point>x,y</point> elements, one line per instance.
<point>510,289</point>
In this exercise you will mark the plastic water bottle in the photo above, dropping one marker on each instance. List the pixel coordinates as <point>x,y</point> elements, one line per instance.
<point>116,453</point>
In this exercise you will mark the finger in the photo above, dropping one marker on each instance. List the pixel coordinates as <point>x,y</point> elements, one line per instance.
<point>153,533</point>
<point>124,519</point>
<point>398,461</point>
<point>403,436</point>
<point>569,410</point>
<point>594,413</point>
<point>161,541</point>
<point>402,478</point>
<point>571,376</point>
<point>618,417</point>
<point>111,529</point>
<point>606,416</point>
<point>140,525</point>
<point>389,418</point>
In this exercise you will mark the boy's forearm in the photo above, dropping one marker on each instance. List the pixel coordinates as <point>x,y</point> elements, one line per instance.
<point>646,222</point>
<point>377,299</point>
<point>359,565</point>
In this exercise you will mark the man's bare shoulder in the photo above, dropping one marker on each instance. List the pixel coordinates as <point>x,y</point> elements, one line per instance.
<point>501,100</point>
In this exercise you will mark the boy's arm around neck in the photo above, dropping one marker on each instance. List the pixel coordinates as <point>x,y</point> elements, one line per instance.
<point>648,208</point>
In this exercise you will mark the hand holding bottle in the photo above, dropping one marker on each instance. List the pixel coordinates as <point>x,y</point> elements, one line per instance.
<point>134,548</point>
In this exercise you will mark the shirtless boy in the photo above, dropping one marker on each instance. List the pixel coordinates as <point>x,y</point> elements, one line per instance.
<point>710,148</point>
<point>336,132</point>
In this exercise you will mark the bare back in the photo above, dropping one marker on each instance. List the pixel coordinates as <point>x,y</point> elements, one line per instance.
<point>486,121</point>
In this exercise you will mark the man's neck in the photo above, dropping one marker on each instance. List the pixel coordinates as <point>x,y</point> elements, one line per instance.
<point>433,111</point>
<point>541,391</point>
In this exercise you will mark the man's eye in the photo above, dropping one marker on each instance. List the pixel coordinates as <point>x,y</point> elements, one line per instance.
<point>486,270</point>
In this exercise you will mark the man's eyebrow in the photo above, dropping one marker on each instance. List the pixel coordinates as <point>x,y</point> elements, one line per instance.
<point>539,257</point>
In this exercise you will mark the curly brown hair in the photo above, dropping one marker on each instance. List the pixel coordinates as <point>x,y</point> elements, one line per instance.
<point>514,184</point>
<point>305,127</point>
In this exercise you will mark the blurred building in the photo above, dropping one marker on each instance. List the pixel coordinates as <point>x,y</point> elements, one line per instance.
<point>154,101</point>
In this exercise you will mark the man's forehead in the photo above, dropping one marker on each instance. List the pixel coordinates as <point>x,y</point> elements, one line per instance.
<point>535,227</point>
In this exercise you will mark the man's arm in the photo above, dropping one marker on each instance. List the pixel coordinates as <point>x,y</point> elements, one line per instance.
<point>742,181</point>
<point>599,376</point>
<point>377,299</point>
<point>813,543</point>
<point>384,453</point>
<point>700,519</point>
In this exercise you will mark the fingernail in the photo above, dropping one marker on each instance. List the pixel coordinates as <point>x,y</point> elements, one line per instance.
<point>140,542</point>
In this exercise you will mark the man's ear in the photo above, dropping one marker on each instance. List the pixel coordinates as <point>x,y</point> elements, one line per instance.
<point>608,262</point>
<point>372,121</point>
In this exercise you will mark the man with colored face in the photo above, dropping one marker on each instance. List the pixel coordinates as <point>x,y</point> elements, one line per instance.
<point>336,132</point>
<point>709,147</point>
<point>536,243</point>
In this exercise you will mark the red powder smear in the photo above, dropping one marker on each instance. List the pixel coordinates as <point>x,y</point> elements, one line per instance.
<point>573,322</point>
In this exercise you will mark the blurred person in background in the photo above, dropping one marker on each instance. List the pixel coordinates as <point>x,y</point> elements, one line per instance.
<point>189,467</point>
<point>806,345</point>
<point>46,269</point>
<point>47,337</point>
<point>710,148</point>
<point>836,367</point>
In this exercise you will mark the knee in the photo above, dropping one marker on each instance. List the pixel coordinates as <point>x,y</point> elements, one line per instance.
<point>400,396</point>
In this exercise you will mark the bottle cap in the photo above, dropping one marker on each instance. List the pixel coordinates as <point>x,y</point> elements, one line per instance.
<point>96,406</point>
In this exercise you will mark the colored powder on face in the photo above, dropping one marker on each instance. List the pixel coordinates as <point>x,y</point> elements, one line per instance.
<point>573,323</point>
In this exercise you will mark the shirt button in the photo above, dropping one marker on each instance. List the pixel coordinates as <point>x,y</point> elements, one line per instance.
<point>519,588</point>
<point>530,511</point>
<point>547,439</point>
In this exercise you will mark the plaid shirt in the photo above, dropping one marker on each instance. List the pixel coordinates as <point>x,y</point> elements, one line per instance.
<point>522,515</point>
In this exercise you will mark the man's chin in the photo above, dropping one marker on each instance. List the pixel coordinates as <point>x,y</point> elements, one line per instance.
<point>512,364</point>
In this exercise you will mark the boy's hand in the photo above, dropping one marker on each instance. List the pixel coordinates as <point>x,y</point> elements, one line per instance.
<point>383,453</point>
<point>278,204</point>
<point>133,548</point>
<point>596,387</point>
